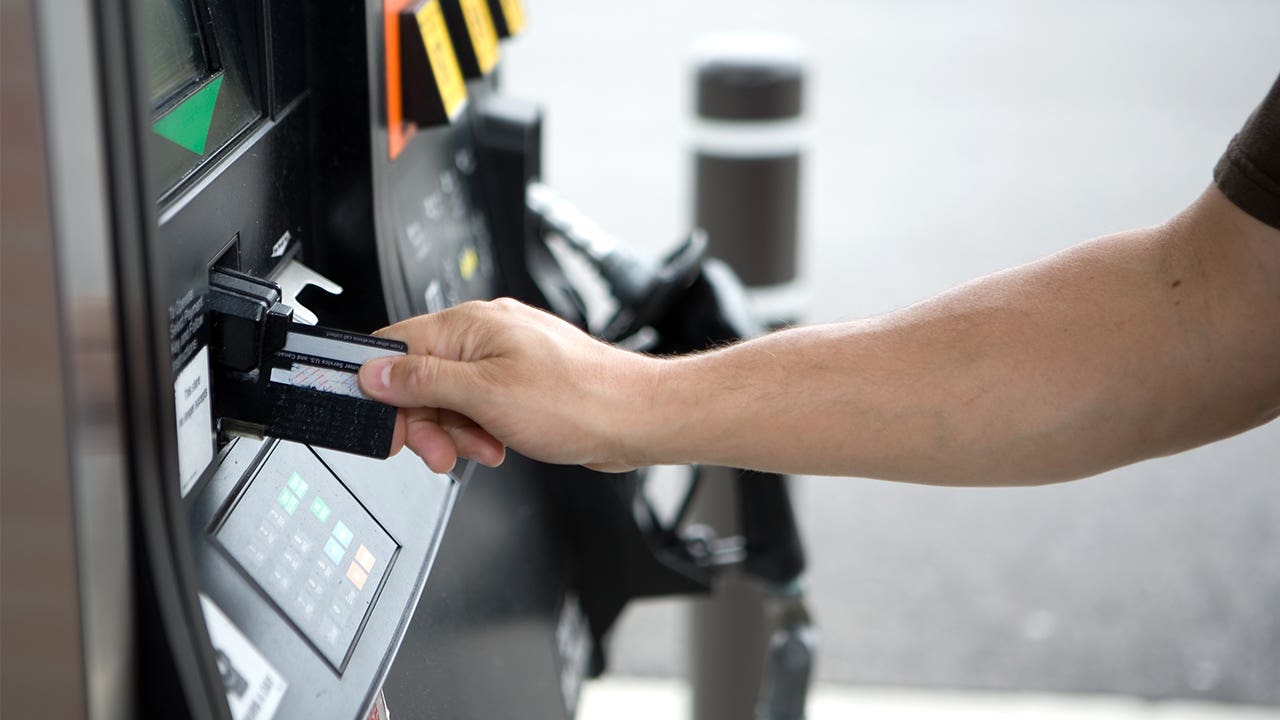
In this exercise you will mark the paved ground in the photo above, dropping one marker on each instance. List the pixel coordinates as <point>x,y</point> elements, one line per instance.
<point>951,139</point>
<point>644,699</point>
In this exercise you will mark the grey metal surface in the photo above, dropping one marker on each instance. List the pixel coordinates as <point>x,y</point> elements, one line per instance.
<point>954,139</point>
<point>68,618</point>
<point>482,642</point>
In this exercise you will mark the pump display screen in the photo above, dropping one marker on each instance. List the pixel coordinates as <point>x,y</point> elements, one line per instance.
<point>200,80</point>
<point>310,546</point>
<point>175,50</point>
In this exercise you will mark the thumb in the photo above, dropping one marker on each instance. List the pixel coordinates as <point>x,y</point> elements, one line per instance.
<point>418,381</point>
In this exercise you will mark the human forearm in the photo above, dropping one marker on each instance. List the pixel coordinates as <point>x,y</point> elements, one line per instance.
<point>1127,347</point>
<point>1130,346</point>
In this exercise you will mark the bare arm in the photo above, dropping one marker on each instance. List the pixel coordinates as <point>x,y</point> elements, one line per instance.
<point>1126,347</point>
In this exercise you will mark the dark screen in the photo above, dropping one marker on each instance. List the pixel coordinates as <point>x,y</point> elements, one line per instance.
<point>175,52</point>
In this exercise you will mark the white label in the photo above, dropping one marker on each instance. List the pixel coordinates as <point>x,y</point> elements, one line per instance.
<point>254,688</point>
<point>193,408</point>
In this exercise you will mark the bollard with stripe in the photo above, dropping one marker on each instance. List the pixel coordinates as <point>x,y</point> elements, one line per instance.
<point>748,138</point>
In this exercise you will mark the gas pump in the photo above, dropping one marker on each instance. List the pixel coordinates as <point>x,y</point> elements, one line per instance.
<point>275,180</point>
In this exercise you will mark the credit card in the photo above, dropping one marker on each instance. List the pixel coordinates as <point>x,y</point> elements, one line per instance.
<point>339,345</point>
<point>313,392</point>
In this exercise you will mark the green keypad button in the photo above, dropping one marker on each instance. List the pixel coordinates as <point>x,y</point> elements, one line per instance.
<point>342,534</point>
<point>298,485</point>
<point>283,499</point>
<point>320,509</point>
<point>294,502</point>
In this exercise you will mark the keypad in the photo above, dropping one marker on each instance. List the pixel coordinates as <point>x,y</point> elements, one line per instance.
<point>311,547</point>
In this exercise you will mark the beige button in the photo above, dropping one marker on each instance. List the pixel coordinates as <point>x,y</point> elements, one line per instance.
<point>365,558</point>
<point>357,576</point>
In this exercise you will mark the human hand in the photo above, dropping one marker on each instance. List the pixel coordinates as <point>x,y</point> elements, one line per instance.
<point>483,376</point>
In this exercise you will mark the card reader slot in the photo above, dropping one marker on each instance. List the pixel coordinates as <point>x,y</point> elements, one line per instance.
<point>276,377</point>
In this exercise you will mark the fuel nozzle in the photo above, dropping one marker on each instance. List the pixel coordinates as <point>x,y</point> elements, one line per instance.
<point>644,290</point>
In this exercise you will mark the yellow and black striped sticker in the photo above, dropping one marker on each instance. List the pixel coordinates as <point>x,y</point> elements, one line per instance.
<point>484,36</point>
<point>513,11</point>
<point>444,63</point>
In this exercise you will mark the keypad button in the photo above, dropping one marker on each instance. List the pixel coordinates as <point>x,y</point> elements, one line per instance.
<point>281,578</point>
<point>323,569</point>
<point>307,605</point>
<point>338,610</point>
<point>320,509</point>
<point>256,556</point>
<point>292,561</point>
<point>298,485</point>
<point>277,518</point>
<point>314,586</point>
<point>343,533</point>
<point>301,542</point>
<point>266,535</point>
<point>357,575</point>
<point>365,558</point>
<point>334,551</point>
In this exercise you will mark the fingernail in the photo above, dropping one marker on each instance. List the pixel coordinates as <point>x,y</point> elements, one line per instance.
<point>377,373</point>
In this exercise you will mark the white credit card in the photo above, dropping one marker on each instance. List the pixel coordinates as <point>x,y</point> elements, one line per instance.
<point>339,345</point>
<point>324,379</point>
<point>328,360</point>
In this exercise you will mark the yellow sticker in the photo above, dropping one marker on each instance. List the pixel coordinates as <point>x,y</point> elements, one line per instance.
<point>484,36</point>
<point>513,11</point>
<point>444,63</point>
<point>468,263</point>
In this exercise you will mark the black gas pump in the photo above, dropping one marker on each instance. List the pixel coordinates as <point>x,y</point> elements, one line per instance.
<point>274,180</point>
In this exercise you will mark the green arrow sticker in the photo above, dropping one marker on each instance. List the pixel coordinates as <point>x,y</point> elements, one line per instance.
<point>188,123</point>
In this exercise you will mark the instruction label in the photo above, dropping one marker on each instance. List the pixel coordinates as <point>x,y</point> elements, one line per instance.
<point>187,331</point>
<point>193,410</point>
<point>254,688</point>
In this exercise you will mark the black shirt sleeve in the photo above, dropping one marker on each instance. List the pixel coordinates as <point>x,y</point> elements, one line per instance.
<point>1249,171</point>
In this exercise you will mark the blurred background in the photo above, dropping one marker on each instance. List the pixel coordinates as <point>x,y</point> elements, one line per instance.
<point>947,140</point>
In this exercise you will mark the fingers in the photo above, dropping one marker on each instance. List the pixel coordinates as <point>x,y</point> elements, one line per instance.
<point>432,334</point>
<point>430,442</point>
<point>398,435</point>
<point>459,361</point>
<point>440,437</point>
<point>466,331</point>
<point>419,381</point>
<point>471,440</point>
<point>448,333</point>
